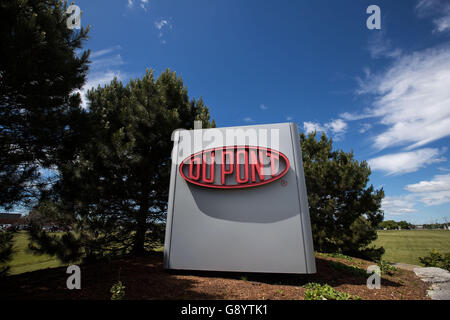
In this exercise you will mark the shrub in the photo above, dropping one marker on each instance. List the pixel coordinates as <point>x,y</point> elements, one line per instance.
<point>386,267</point>
<point>118,291</point>
<point>317,291</point>
<point>369,253</point>
<point>436,259</point>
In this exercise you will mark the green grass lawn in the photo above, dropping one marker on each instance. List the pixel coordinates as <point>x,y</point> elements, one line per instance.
<point>408,245</point>
<point>24,261</point>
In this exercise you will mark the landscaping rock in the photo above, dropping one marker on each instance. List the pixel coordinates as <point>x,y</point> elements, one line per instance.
<point>433,275</point>
<point>440,291</point>
<point>439,279</point>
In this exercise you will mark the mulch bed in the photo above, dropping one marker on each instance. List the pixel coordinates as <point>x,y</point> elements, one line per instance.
<point>145,278</point>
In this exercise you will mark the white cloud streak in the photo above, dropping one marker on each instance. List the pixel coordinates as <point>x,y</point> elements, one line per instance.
<point>143,4</point>
<point>380,46</point>
<point>365,127</point>
<point>439,10</point>
<point>104,68</point>
<point>432,192</point>
<point>310,127</point>
<point>398,205</point>
<point>412,98</point>
<point>161,26</point>
<point>405,162</point>
<point>336,127</point>
<point>99,53</point>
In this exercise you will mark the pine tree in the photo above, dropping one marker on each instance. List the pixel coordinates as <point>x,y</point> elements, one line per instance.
<point>344,212</point>
<point>115,192</point>
<point>39,71</point>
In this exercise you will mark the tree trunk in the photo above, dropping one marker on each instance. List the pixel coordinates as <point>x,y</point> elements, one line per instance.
<point>141,229</point>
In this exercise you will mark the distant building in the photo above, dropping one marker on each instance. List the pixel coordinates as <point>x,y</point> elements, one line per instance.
<point>419,226</point>
<point>10,218</point>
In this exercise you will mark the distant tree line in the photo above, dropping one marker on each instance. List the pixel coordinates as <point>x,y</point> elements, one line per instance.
<point>394,225</point>
<point>403,225</point>
<point>436,225</point>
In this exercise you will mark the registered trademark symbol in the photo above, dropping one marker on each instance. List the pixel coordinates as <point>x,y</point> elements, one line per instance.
<point>284,183</point>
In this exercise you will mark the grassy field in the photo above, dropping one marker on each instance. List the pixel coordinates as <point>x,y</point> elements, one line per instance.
<point>25,261</point>
<point>408,245</point>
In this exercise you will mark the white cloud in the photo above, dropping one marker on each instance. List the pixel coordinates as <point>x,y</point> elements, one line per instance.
<point>433,192</point>
<point>398,205</point>
<point>439,183</point>
<point>99,53</point>
<point>380,46</point>
<point>405,162</point>
<point>336,127</point>
<point>161,26</point>
<point>443,23</point>
<point>248,119</point>
<point>412,98</point>
<point>143,4</point>
<point>108,62</point>
<point>365,127</point>
<point>354,116</point>
<point>103,69</point>
<point>97,79</point>
<point>263,107</point>
<point>289,118</point>
<point>439,9</point>
<point>310,127</point>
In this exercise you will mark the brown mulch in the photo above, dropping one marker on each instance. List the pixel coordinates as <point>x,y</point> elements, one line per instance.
<point>145,278</point>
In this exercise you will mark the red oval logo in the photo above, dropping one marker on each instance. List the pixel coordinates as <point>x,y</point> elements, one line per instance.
<point>234,167</point>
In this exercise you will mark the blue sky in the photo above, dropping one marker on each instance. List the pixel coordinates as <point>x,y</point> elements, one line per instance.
<point>383,93</point>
